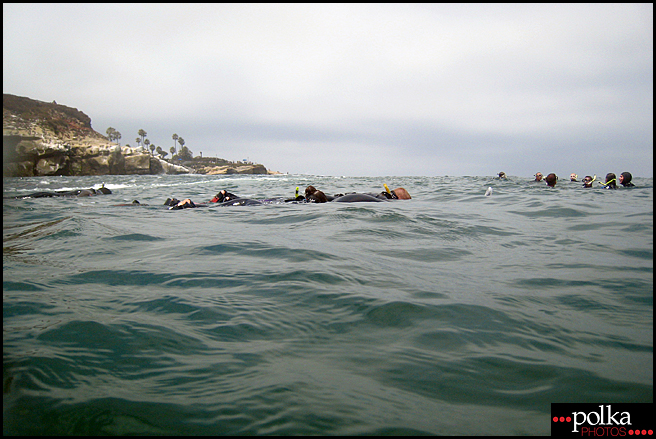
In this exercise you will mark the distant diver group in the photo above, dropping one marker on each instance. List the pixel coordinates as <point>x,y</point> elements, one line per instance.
<point>610,183</point>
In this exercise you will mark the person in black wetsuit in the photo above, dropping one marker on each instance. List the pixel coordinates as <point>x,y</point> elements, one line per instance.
<point>72,193</point>
<point>175,204</point>
<point>625,179</point>
<point>396,194</point>
<point>223,196</point>
<point>312,195</point>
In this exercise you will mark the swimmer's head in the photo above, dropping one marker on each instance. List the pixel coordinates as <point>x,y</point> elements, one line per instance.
<point>222,196</point>
<point>611,180</point>
<point>587,181</point>
<point>310,190</point>
<point>401,193</point>
<point>316,197</point>
<point>551,179</point>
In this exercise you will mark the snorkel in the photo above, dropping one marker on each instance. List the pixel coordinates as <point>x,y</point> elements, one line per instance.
<point>390,193</point>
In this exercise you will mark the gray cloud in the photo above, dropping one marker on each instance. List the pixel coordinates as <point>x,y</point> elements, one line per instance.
<point>355,89</point>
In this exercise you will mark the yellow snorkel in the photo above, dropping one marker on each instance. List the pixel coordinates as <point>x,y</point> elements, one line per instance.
<point>296,192</point>
<point>387,189</point>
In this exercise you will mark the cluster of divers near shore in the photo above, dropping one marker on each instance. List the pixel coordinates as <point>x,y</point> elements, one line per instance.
<point>312,195</point>
<point>225,198</point>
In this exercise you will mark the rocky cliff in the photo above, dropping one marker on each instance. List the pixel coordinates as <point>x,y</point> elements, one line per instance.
<point>42,138</point>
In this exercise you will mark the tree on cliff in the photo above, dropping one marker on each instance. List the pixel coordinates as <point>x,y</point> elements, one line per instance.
<point>113,134</point>
<point>185,154</point>
<point>142,134</point>
<point>172,151</point>
<point>181,141</point>
<point>175,138</point>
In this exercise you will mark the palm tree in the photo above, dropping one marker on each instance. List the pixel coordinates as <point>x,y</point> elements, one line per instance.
<point>175,138</point>
<point>181,141</point>
<point>147,144</point>
<point>172,151</point>
<point>138,140</point>
<point>142,134</point>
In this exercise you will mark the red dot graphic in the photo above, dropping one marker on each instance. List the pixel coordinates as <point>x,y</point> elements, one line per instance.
<point>568,419</point>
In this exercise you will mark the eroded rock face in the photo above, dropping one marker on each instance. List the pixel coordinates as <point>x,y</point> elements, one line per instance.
<point>27,156</point>
<point>43,138</point>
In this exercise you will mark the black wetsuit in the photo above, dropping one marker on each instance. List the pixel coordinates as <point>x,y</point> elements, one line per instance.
<point>73,193</point>
<point>352,198</point>
<point>626,182</point>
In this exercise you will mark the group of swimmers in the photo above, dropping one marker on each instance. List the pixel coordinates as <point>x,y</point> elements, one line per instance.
<point>312,195</point>
<point>610,183</point>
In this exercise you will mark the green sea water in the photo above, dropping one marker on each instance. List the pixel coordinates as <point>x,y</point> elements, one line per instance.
<point>452,313</point>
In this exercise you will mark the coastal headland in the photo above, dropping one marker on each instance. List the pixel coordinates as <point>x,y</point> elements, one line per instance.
<point>46,138</point>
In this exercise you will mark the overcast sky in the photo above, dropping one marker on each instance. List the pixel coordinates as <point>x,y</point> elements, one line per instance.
<point>355,90</point>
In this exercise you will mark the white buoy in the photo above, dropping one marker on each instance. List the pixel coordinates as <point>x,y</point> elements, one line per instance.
<point>488,192</point>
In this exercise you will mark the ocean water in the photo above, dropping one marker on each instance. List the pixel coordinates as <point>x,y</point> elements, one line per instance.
<point>451,313</point>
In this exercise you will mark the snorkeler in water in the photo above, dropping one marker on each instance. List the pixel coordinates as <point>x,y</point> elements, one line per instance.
<point>175,204</point>
<point>551,180</point>
<point>587,181</point>
<point>611,181</point>
<point>71,193</point>
<point>625,179</point>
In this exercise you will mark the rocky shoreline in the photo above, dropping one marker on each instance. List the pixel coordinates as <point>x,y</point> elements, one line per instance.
<point>43,139</point>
